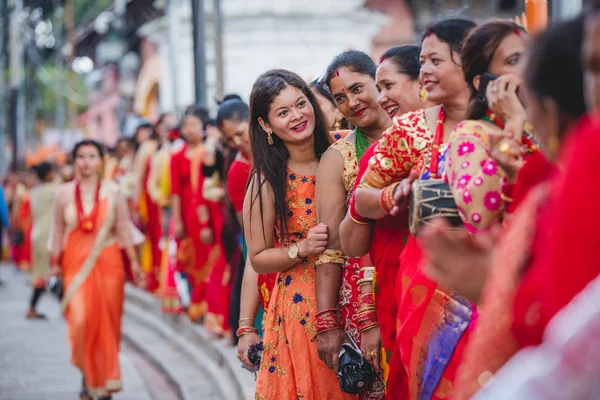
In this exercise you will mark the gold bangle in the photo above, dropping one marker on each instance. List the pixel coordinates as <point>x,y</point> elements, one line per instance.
<point>245,319</point>
<point>506,198</point>
<point>356,221</point>
<point>364,281</point>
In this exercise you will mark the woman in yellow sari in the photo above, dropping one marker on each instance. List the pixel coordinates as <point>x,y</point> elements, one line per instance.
<point>91,221</point>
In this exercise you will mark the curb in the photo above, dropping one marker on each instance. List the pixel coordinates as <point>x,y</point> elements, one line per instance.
<point>213,357</point>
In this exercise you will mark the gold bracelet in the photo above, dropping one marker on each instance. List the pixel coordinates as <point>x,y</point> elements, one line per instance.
<point>506,198</point>
<point>245,319</point>
<point>364,281</point>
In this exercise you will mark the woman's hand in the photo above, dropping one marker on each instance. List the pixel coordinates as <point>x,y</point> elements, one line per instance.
<point>55,272</point>
<point>503,100</point>
<point>329,344</point>
<point>508,153</point>
<point>402,193</point>
<point>315,242</point>
<point>136,270</point>
<point>244,344</point>
<point>370,345</point>
<point>456,259</point>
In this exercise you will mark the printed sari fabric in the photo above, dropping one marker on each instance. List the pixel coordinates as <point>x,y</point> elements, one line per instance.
<point>186,179</point>
<point>153,232</point>
<point>218,286</point>
<point>291,368</point>
<point>349,289</point>
<point>388,240</point>
<point>94,278</point>
<point>433,325</point>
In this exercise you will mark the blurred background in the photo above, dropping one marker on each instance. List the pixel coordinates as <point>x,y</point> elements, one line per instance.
<point>98,68</point>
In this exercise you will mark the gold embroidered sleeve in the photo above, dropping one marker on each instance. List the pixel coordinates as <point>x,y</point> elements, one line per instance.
<point>330,256</point>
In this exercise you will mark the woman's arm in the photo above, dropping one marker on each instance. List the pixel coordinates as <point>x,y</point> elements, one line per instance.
<point>249,303</point>
<point>259,233</point>
<point>473,176</point>
<point>57,236</point>
<point>355,238</point>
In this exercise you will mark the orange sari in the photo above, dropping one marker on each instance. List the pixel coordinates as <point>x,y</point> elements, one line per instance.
<point>24,223</point>
<point>94,279</point>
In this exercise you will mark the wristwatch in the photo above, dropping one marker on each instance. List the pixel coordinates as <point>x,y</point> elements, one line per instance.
<point>293,252</point>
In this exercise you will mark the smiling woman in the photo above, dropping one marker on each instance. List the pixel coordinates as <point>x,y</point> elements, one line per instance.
<point>288,137</point>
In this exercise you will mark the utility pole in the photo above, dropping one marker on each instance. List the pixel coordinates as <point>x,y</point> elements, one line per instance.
<point>199,52</point>
<point>16,82</point>
<point>3,34</point>
<point>70,28</point>
<point>219,49</point>
<point>172,25</point>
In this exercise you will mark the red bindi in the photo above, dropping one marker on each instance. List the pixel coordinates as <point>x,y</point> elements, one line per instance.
<point>337,73</point>
<point>343,89</point>
<point>517,32</point>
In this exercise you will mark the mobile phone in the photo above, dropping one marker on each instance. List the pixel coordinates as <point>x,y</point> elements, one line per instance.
<point>483,84</point>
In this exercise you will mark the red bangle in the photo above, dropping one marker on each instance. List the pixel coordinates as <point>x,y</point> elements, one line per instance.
<point>366,300</point>
<point>386,197</point>
<point>354,215</point>
<point>245,329</point>
<point>328,320</point>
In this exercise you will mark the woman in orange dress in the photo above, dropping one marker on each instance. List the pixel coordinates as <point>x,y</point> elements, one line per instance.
<point>91,221</point>
<point>288,136</point>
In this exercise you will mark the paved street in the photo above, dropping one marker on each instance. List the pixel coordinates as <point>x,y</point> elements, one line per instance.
<point>34,355</point>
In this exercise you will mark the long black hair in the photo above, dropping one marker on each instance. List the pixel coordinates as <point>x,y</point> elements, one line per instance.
<point>406,59</point>
<point>477,54</point>
<point>554,69</point>
<point>270,161</point>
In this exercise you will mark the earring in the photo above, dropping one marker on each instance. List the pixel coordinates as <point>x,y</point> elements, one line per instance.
<point>270,138</point>
<point>338,124</point>
<point>423,94</point>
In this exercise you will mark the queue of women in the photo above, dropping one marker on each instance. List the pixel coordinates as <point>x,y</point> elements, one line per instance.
<point>438,293</point>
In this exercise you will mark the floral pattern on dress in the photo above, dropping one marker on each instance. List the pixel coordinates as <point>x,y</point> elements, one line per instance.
<point>290,367</point>
<point>477,189</point>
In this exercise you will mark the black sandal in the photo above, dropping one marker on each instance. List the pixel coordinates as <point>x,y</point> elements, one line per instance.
<point>84,395</point>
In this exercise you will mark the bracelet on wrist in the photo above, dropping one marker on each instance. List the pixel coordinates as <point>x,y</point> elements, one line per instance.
<point>328,320</point>
<point>245,319</point>
<point>243,330</point>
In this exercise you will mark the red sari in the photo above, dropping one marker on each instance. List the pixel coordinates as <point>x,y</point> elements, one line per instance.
<point>186,182</point>
<point>24,223</point>
<point>542,260</point>
<point>153,232</point>
<point>237,181</point>
<point>218,286</point>
<point>433,325</point>
<point>389,236</point>
<point>567,257</point>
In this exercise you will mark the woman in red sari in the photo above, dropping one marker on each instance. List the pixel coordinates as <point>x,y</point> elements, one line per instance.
<point>147,208</point>
<point>186,186</point>
<point>351,80</point>
<point>22,222</point>
<point>91,222</point>
<point>397,81</point>
<point>513,305</point>
<point>432,322</point>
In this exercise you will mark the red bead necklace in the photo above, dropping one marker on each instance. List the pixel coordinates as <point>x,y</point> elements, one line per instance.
<point>437,142</point>
<point>86,222</point>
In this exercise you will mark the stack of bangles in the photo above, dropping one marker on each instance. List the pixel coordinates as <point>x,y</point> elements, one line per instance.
<point>242,330</point>
<point>386,197</point>
<point>366,315</point>
<point>328,320</point>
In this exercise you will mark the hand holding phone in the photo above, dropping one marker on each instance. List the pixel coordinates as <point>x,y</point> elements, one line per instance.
<point>503,99</point>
